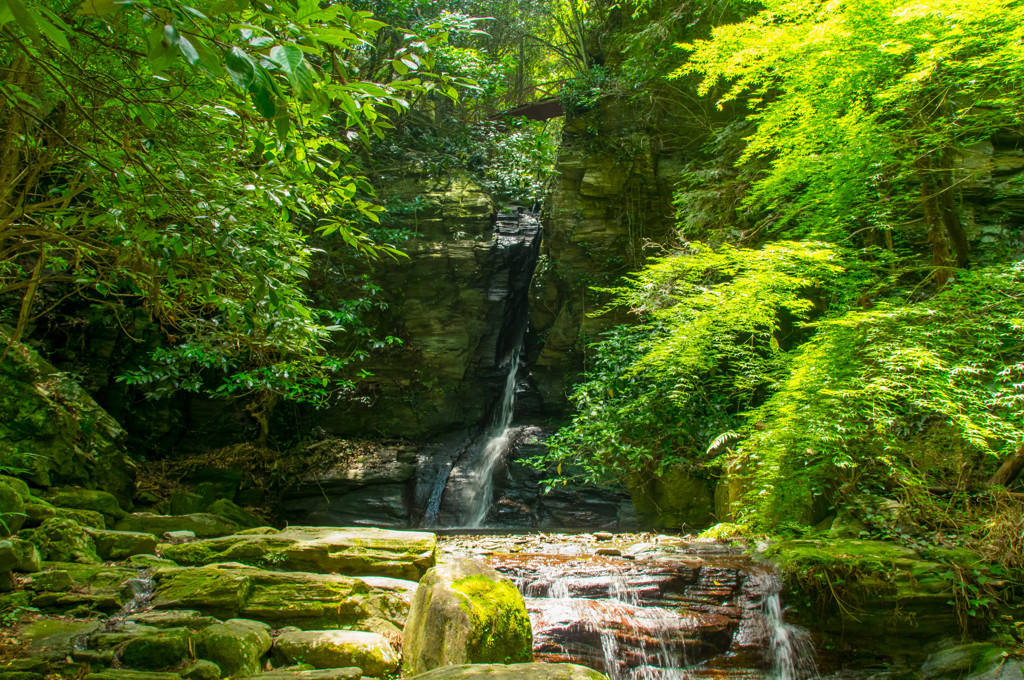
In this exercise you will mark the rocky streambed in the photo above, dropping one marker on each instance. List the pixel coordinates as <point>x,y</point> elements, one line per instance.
<point>198,597</point>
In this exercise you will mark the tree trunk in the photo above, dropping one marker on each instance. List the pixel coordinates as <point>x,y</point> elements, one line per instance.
<point>1009,470</point>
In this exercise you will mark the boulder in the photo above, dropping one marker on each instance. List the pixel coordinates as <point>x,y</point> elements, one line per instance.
<point>302,674</point>
<point>118,545</point>
<point>675,499</point>
<point>304,600</point>
<point>466,612</point>
<point>233,513</point>
<point>517,671</point>
<point>53,580</point>
<point>202,525</point>
<point>325,550</point>
<point>339,649</point>
<point>201,670</point>
<point>185,503</point>
<point>958,661</point>
<point>86,499</point>
<point>93,587</point>
<point>12,508</point>
<point>19,555</point>
<point>236,646</point>
<point>63,540</point>
<point>160,649</point>
<point>87,518</point>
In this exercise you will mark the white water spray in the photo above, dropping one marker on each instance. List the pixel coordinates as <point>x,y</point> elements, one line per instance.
<point>498,440</point>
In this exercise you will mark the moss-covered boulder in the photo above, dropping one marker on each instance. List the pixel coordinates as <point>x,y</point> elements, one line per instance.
<point>960,661</point>
<point>354,551</point>
<point>63,540</point>
<point>518,671</point>
<point>339,649</point>
<point>236,646</point>
<point>304,600</point>
<point>78,498</point>
<point>158,650</point>
<point>93,588</point>
<point>203,525</point>
<point>235,514</point>
<point>53,429</point>
<point>675,499</point>
<point>302,673</point>
<point>202,669</point>
<point>12,507</point>
<point>466,612</point>
<point>19,555</point>
<point>55,639</point>
<point>119,545</point>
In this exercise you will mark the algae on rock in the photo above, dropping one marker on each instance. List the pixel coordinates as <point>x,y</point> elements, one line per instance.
<point>466,612</point>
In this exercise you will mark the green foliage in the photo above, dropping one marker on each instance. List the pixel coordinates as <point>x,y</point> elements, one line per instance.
<point>180,157</point>
<point>708,346</point>
<point>860,107</point>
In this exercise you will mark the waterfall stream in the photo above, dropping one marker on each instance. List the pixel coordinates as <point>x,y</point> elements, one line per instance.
<point>498,440</point>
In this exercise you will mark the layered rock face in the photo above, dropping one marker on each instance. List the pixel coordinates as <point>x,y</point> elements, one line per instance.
<point>455,302</point>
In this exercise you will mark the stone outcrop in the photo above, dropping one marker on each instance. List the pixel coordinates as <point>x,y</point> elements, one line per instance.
<point>51,428</point>
<point>371,652</point>
<point>465,612</point>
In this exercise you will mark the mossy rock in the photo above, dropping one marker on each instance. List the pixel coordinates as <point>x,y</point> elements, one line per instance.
<point>63,540</point>
<point>233,513</point>
<point>674,500</point>
<point>19,555</point>
<point>183,618</point>
<point>339,649</point>
<point>51,428</point>
<point>466,612</point>
<point>87,518</point>
<point>959,661</point>
<point>12,508</point>
<point>304,600</point>
<point>79,498</point>
<point>186,503</point>
<point>203,525</point>
<point>124,674</point>
<point>236,646</point>
<point>119,545</point>
<point>882,599</point>
<point>302,673</point>
<point>202,670</point>
<point>519,671</point>
<point>54,639</point>
<point>95,587</point>
<point>158,650</point>
<point>354,551</point>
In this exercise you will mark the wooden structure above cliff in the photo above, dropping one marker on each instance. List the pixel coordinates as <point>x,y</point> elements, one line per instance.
<point>537,102</point>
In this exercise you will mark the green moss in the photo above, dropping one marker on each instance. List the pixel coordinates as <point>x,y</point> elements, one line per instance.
<point>501,626</point>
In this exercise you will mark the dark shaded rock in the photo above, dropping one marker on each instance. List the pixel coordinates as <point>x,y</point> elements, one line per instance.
<point>52,428</point>
<point>62,540</point>
<point>234,514</point>
<point>158,650</point>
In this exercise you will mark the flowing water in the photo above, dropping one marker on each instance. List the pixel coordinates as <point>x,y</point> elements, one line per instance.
<point>498,440</point>
<point>661,612</point>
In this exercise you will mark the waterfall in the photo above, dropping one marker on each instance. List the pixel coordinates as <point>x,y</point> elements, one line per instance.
<point>789,648</point>
<point>497,443</point>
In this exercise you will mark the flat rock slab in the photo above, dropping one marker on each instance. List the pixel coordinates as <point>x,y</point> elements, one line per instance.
<point>322,674</point>
<point>355,551</point>
<point>304,600</point>
<point>339,649</point>
<point>515,671</point>
<point>203,525</point>
<point>122,674</point>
